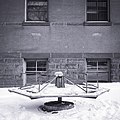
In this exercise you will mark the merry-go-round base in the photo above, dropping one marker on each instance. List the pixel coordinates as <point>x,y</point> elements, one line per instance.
<point>57,105</point>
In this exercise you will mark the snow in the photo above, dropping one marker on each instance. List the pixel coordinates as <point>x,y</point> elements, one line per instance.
<point>106,107</point>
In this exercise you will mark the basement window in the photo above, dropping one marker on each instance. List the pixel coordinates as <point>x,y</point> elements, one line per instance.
<point>34,69</point>
<point>36,11</point>
<point>97,11</point>
<point>98,69</point>
<point>36,65</point>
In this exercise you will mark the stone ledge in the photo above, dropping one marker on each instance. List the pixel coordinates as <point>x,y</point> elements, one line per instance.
<point>9,55</point>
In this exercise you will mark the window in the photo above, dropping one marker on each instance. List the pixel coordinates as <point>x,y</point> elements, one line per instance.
<point>35,70</point>
<point>36,11</point>
<point>100,66</point>
<point>36,65</point>
<point>98,69</point>
<point>97,11</point>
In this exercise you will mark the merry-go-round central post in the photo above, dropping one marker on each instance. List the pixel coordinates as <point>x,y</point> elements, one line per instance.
<point>58,105</point>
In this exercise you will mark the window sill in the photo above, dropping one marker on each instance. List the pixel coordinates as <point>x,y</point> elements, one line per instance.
<point>97,23</point>
<point>35,23</point>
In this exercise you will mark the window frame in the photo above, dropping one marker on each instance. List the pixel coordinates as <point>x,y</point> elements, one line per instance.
<point>36,67</point>
<point>99,69</point>
<point>28,21</point>
<point>97,22</point>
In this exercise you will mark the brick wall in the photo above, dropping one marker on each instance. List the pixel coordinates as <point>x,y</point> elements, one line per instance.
<point>67,10</point>
<point>10,69</point>
<point>73,65</point>
<point>115,69</point>
<point>66,32</point>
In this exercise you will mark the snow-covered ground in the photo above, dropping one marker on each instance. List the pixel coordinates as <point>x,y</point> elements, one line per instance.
<point>105,107</point>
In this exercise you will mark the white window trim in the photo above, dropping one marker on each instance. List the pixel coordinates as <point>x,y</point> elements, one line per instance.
<point>24,74</point>
<point>25,10</point>
<point>26,16</point>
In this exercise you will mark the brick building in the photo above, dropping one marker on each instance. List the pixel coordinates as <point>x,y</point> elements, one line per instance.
<point>39,37</point>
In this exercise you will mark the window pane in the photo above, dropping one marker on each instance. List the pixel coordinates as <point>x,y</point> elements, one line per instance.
<point>102,66</point>
<point>31,64</point>
<point>92,76</point>
<point>91,7</point>
<point>91,4</point>
<point>31,78</point>
<point>41,69</point>
<point>30,69</point>
<point>91,17</point>
<point>102,6</point>
<point>92,0</point>
<point>41,63</point>
<point>37,8</point>
<point>97,76</point>
<point>102,0</point>
<point>37,16</point>
<point>91,66</point>
<point>37,2</point>
<point>102,16</point>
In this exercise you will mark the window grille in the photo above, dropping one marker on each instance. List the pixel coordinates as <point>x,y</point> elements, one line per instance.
<point>37,10</point>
